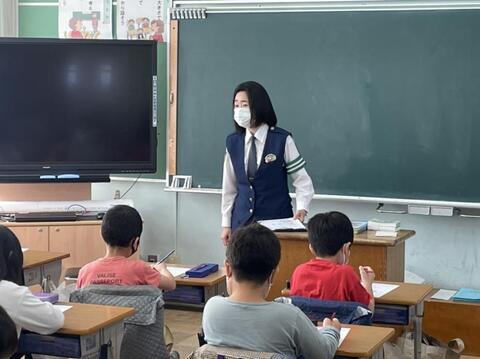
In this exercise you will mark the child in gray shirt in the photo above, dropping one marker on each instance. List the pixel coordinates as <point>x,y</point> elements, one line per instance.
<point>246,320</point>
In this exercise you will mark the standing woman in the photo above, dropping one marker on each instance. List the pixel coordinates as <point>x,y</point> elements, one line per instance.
<point>258,159</point>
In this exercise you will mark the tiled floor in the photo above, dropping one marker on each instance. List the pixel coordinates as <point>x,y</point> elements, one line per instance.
<point>185,325</point>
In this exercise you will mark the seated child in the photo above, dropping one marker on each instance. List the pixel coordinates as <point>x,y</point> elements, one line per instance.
<point>246,320</point>
<point>26,310</point>
<point>121,230</point>
<point>8,335</point>
<point>327,276</point>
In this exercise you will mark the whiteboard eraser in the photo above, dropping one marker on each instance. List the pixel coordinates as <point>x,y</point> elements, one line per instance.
<point>417,209</point>
<point>441,211</point>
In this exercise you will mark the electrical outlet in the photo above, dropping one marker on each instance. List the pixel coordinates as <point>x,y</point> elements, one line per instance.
<point>153,258</point>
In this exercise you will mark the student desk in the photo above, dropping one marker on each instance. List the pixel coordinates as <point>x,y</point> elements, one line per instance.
<point>448,319</point>
<point>209,286</point>
<point>408,298</point>
<point>88,327</point>
<point>40,264</point>
<point>386,256</point>
<point>365,341</point>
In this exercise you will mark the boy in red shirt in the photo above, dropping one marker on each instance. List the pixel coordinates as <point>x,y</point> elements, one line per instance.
<point>121,230</point>
<point>327,276</point>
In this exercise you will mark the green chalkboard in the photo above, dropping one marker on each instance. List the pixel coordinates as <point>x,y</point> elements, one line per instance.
<point>42,21</point>
<point>380,104</point>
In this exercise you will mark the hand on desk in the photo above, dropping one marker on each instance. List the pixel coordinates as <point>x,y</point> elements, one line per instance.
<point>300,214</point>
<point>334,323</point>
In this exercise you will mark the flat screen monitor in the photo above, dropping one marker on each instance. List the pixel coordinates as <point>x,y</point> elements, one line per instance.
<point>77,107</point>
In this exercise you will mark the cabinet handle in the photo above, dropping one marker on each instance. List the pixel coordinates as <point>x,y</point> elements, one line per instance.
<point>40,229</point>
<point>57,229</point>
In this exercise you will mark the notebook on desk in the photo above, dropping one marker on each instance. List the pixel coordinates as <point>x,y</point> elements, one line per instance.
<point>284,225</point>
<point>467,295</point>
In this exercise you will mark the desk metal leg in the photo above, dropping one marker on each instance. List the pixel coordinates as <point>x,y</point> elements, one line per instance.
<point>417,325</point>
<point>378,354</point>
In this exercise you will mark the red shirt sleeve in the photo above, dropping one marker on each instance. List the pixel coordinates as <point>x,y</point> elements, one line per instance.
<point>356,291</point>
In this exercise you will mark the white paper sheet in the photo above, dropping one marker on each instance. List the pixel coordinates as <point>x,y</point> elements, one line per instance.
<point>24,249</point>
<point>380,289</point>
<point>343,334</point>
<point>444,294</point>
<point>63,308</point>
<point>177,271</point>
<point>283,224</point>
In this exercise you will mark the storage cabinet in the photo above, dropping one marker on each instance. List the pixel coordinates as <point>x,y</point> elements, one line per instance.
<point>81,239</point>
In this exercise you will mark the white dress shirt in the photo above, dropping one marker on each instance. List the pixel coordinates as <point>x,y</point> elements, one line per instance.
<point>27,311</point>
<point>301,180</point>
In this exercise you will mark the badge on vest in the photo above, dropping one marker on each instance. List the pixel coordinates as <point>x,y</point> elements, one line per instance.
<point>270,158</point>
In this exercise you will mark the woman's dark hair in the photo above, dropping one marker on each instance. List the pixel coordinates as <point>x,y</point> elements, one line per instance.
<point>8,335</point>
<point>11,257</point>
<point>121,224</point>
<point>328,232</point>
<point>261,108</point>
<point>253,253</point>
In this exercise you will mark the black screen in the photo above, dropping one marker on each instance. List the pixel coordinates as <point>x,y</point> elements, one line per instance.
<point>78,105</point>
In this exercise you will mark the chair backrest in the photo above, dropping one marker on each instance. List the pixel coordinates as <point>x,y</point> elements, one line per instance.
<point>143,336</point>
<point>317,310</point>
<point>208,351</point>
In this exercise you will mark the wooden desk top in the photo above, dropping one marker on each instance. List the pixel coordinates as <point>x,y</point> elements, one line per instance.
<point>32,258</point>
<point>83,319</point>
<point>405,294</point>
<point>364,238</point>
<point>57,224</point>
<point>207,281</point>
<point>363,341</point>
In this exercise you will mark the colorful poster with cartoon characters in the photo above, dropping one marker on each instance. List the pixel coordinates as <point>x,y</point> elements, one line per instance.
<point>85,19</point>
<point>140,20</point>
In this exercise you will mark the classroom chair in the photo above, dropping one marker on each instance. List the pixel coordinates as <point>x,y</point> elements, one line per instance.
<point>144,331</point>
<point>317,310</point>
<point>208,351</point>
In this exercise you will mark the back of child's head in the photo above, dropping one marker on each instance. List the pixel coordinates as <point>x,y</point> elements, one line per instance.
<point>253,253</point>
<point>328,232</point>
<point>11,257</point>
<point>121,224</point>
<point>8,335</point>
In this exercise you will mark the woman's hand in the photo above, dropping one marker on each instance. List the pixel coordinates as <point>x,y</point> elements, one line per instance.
<point>300,214</point>
<point>225,235</point>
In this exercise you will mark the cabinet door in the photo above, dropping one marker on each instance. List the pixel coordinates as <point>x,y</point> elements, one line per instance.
<point>83,242</point>
<point>32,237</point>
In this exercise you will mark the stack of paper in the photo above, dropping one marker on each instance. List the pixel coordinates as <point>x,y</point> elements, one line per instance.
<point>384,228</point>
<point>467,295</point>
<point>359,226</point>
<point>283,224</point>
<point>378,225</point>
<point>380,289</point>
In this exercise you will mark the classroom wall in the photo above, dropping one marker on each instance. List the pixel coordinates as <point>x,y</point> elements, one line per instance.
<point>445,251</point>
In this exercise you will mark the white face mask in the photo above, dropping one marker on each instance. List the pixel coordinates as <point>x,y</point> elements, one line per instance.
<point>242,116</point>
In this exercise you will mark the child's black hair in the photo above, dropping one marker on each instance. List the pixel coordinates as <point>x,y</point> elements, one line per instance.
<point>121,224</point>
<point>253,253</point>
<point>8,335</point>
<point>11,257</point>
<point>328,232</point>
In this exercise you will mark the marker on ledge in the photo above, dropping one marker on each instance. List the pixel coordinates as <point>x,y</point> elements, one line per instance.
<point>68,176</point>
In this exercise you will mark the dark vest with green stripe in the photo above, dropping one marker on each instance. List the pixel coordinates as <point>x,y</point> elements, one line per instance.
<point>267,195</point>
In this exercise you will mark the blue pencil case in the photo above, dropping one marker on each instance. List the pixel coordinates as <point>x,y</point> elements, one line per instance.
<point>202,270</point>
